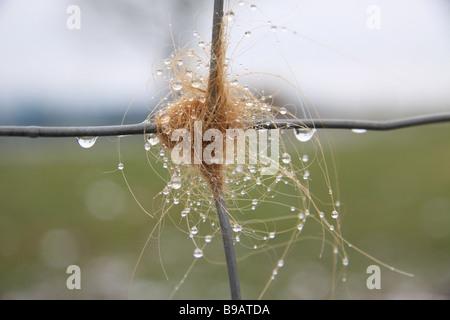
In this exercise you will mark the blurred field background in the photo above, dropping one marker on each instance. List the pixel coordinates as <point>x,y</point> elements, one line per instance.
<point>61,205</point>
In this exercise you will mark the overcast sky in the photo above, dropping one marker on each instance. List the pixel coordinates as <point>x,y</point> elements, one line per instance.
<point>348,56</point>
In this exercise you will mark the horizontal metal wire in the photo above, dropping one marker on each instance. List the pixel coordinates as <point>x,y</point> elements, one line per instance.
<point>150,127</point>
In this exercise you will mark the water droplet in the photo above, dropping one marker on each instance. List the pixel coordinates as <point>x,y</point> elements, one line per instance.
<point>345,261</point>
<point>335,250</point>
<point>283,110</point>
<point>305,158</point>
<point>247,34</point>
<point>201,44</point>
<point>177,85</point>
<point>230,15</point>
<point>237,228</point>
<point>359,130</point>
<point>306,175</point>
<point>208,238</point>
<point>152,139</point>
<point>292,209</point>
<point>167,61</point>
<point>280,263</point>
<point>147,146</point>
<point>86,142</point>
<point>273,28</point>
<point>165,118</point>
<point>321,215</point>
<point>272,235</point>
<point>254,202</point>
<point>120,166</point>
<point>166,129</point>
<point>176,182</point>
<point>300,227</point>
<point>188,73</point>
<point>331,228</point>
<point>194,230</point>
<point>335,214</point>
<point>286,158</point>
<point>253,7</point>
<point>179,62</point>
<point>241,3</point>
<point>198,253</point>
<point>196,83</point>
<point>159,72</point>
<point>185,212</point>
<point>303,134</point>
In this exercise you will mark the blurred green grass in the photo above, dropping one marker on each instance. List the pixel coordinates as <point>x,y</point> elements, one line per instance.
<point>395,194</point>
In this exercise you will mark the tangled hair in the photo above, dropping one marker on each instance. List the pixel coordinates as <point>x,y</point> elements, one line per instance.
<point>214,101</point>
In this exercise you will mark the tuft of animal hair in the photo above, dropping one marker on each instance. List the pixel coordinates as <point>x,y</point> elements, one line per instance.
<point>215,101</point>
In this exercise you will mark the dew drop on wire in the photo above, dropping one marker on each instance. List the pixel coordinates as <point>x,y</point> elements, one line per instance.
<point>120,166</point>
<point>208,238</point>
<point>280,263</point>
<point>304,135</point>
<point>86,142</point>
<point>194,230</point>
<point>147,146</point>
<point>283,110</point>
<point>359,130</point>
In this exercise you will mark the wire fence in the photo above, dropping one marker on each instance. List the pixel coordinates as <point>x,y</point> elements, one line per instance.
<point>150,127</point>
